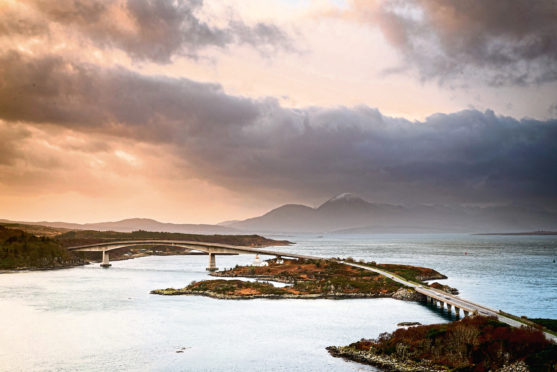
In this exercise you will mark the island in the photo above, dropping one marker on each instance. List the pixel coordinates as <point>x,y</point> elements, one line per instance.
<point>474,343</point>
<point>305,278</point>
<point>525,233</point>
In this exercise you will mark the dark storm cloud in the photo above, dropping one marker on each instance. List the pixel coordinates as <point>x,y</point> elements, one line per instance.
<point>258,145</point>
<point>504,41</point>
<point>154,30</point>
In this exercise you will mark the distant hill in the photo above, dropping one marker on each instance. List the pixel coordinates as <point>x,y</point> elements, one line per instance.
<point>134,224</point>
<point>82,237</point>
<point>350,214</point>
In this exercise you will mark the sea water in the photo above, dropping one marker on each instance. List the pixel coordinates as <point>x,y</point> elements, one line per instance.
<point>93,319</point>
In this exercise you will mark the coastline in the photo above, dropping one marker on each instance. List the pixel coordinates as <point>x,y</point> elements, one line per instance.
<point>384,362</point>
<point>50,268</point>
<point>220,296</point>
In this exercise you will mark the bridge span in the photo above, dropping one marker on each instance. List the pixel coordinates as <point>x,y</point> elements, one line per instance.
<point>212,249</point>
<point>432,295</point>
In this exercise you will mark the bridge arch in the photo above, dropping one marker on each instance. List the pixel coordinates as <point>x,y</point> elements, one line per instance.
<point>211,249</point>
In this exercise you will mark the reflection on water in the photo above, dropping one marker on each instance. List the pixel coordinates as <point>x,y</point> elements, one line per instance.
<point>89,318</point>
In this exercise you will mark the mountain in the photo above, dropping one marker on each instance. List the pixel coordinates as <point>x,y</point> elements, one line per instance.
<point>350,214</point>
<point>134,224</point>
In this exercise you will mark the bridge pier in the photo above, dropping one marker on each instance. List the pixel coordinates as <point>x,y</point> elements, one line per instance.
<point>106,260</point>
<point>449,307</point>
<point>466,313</point>
<point>457,311</point>
<point>212,263</point>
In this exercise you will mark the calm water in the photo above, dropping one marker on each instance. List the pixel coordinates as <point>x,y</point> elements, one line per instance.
<point>93,319</point>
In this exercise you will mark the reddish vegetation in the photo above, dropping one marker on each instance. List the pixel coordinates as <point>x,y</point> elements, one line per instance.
<point>308,278</point>
<point>319,277</point>
<point>443,287</point>
<point>473,343</point>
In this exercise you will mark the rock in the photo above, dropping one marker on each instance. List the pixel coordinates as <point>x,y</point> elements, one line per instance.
<point>408,324</point>
<point>519,366</point>
<point>444,288</point>
<point>382,361</point>
<point>408,294</point>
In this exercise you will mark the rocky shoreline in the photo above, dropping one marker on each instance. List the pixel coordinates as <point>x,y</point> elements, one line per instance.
<point>45,268</point>
<point>388,363</point>
<point>404,294</point>
<point>220,296</point>
<point>384,362</point>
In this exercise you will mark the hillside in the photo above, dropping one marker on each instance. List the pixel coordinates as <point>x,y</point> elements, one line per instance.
<point>472,344</point>
<point>133,224</point>
<point>21,250</point>
<point>36,230</point>
<point>82,237</point>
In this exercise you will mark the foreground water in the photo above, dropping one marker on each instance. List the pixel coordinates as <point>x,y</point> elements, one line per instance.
<point>93,319</point>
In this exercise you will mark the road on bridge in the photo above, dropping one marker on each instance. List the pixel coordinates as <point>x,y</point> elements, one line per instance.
<point>449,298</point>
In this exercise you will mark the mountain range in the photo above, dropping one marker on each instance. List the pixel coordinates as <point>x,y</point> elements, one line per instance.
<point>134,224</point>
<point>350,214</point>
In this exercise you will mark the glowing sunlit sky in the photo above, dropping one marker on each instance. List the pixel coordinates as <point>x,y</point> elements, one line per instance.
<point>204,111</point>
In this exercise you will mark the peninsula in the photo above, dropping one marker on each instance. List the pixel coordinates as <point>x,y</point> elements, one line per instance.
<point>474,343</point>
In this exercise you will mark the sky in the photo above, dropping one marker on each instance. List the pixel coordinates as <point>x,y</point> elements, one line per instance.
<point>204,111</point>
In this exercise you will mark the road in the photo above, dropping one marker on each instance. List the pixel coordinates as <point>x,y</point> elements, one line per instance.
<point>449,298</point>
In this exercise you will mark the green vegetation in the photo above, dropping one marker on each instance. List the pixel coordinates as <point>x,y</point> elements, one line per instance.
<point>83,237</point>
<point>471,344</point>
<point>21,250</point>
<point>228,288</point>
<point>37,230</point>
<point>539,323</point>
<point>550,324</point>
<point>412,273</point>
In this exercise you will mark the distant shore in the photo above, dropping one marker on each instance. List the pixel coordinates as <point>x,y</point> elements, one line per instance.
<point>528,233</point>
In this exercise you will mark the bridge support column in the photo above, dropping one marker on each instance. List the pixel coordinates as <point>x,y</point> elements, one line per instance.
<point>212,263</point>
<point>466,313</point>
<point>106,260</point>
<point>441,305</point>
<point>457,311</point>
<point>449,307</point>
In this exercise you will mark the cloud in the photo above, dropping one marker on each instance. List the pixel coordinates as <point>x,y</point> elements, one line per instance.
<point>552,110</point>
<point>508,42</point>
<point>147,30</point>
<point>261,147</point>
<point>11,136</point>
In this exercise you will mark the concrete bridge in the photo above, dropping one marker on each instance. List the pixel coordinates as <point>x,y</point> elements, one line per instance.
<point>212,249</point>
<point>442,299</point>
<point>432,295</point>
